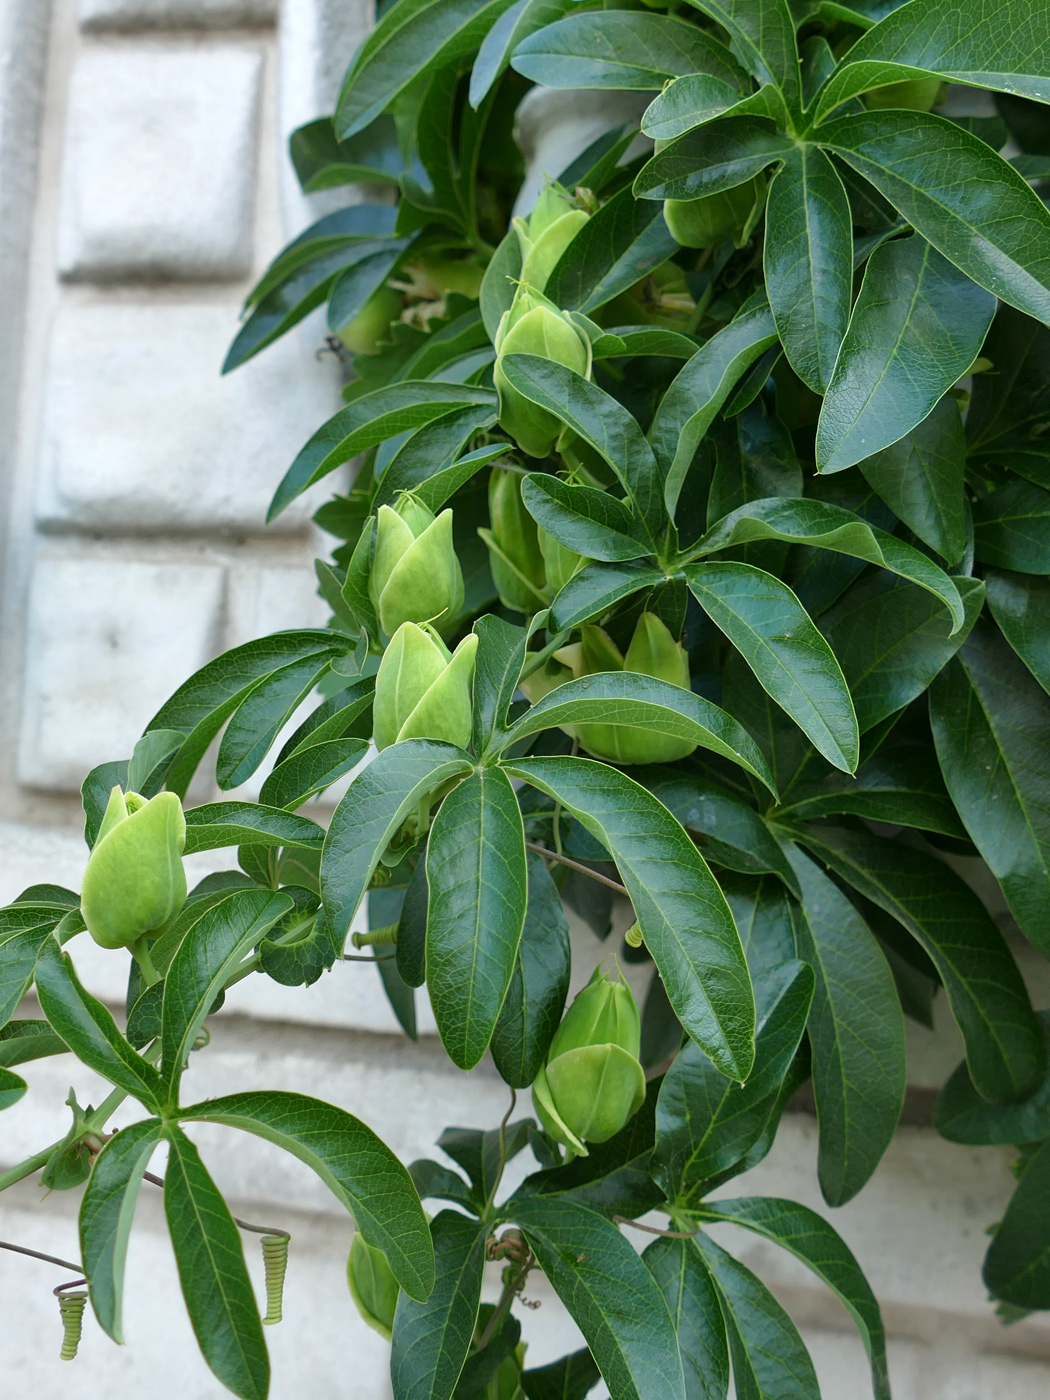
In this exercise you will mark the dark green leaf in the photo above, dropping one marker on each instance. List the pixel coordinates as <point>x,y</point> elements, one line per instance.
<point>692,1301</point>
<point>808,1237</point>
<point>428,463</point>
<point>25,932</point>
<point>702,386</point>
<point>991,725</point>
<point>322,161</point>
<point>766,916</point>
<point>630,698</point>
<point>22,1041</point>
<point>680,910</point>
<point>12,1088</point>
<point>89,1030</point>
<point>902,786</point>
<point>571,1378</point>
<point>360,1171</point>
<point>920,477</point>
<point>1011,403</point>
<point>310,771</point>
<point>712,158</point>
<point>620,49</point>
<point>776,637</point>
<point>984,988</point>
<point>856,1029</point>
<point>755,458</point>
<point>356,285</point>
<point>809,263</point>
<point>954,190</point>
<point>207,956</point>
<point>1017,1265</point>
<point>499,659</point>
<point>522,19</point>
<point>623,242</point>
<point>367,421</point>
<point>214,1280</point>
<point>498,284</point>
<point>764,35</point>
<point>597,588</point>
<point>532,1010</point>
<point>261,716</point>
<point>697,98</point>
<point>591,522</point>
<point>412,929</point>
<point>477,881</point>
<point>371,813</point>
<point>704,1125</point>
<point>106,1212</point>
<point>962,1115</point>
<point>413,37</point>
<point>219,824</point>
<point>432,1337</point>
<point>609,1293</point>
<point>1020,605</point>
<point>1011,528</point>
<point>770,1360</point>
<point>918,325</point>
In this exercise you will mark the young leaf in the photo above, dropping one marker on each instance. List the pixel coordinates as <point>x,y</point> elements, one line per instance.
<point>620,244</point>
<point>1017,1266</point>
<point>106,1213</point>
<point>360,1171</point>
<point>985,990</point>
<point>370,814</point>
<point>827,526</point>
<point>704,1125</point>
<point>856,1029</point>
<point>432,1333</point>
<point>980,43</point>
<point>991,726</point>
<point>207,956</point>
<point>1020,605</point>
<point>967,201</point>
<point>776,637</point>
<point>411,39</point>
<point>918,324</point>
<point>89,1030</point>
<point>920,477</point>
<point>629,698</point>
<point>214,1280</point>
<point>683,917</point>
<point>696,1313</point>
<point>770,1359</point>
<point>609,1293</point>
<point>702,386</point>
<point>532,1010</point>
<point>809,263</point>
<point>476,877</point>
<point>620,49</point>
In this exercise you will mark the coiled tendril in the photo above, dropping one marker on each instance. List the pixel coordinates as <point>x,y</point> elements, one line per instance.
<point>71,1309</point>
<point>275,1262</point>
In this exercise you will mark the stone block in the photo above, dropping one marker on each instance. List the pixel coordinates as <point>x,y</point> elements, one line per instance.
<point>141,433</point>
<point>102,15</point>
<point>111,639</point>
<point>159,163</point>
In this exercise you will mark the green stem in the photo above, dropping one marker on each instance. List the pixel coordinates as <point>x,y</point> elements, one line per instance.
<point>140,952</point>
<point>538,658</point>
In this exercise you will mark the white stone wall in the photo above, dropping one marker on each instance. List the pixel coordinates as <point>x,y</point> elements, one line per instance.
<point>143,185</point>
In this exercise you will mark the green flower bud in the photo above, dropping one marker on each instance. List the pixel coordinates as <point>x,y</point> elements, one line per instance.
<point>697,223</point>
<point>553,201</point>
<point>592,1082</point>
<point>373,1286</point>
<point>542,681</point>
<point>372,322</point>
<point>415,573</point>
<point>560,562</point>
<point>134,881</point>
<point>424,691</point>
<point>514,551</point>
<point>918,95</point>
<point>540,255</point>
<point>539,331</point>
<point>652,652</point>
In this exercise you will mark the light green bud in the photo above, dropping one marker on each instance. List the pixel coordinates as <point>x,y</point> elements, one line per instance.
<point>917,95</point>
<point>560,562</point>
<point>373,1286</point>
<point>541,255</point>
<point>514,550</point>
<point>652,652</point>
<point>372,323</point>
<point>552,202</point>
<point>424,691</point>
<point>697,223</point>
<point>592,1082</point>
<point>135,881</point>
<point>415,573</point>
<point>545,332</point>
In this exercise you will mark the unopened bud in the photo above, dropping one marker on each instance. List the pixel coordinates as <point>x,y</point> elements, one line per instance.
<point>415,575</point>
<point>424,691</point>
<point>135,881</point>
<point>514,551</point>
<point>697,223</point>
<point>560,562</point>
<point>528,329</point>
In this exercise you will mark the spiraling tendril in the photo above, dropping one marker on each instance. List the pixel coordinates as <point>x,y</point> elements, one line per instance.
<point>71,1309</point>
<point>275,1262</point>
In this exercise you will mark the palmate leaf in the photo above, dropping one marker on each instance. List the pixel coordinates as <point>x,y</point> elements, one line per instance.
<point>589,522</point>
<point>712,158</point>
<point>764,34</point>
<point>681,912</point>
<point>983,43</point>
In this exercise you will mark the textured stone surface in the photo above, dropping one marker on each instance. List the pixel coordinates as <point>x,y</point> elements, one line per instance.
<point>173,14</point>
<point>159,163</point>
<point>111,640</point>
<point>141,433</point>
